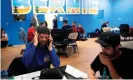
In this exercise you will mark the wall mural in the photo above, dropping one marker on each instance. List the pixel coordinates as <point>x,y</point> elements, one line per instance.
<point>73,6</point>
<point>55,6</point>
<point>21,6</point>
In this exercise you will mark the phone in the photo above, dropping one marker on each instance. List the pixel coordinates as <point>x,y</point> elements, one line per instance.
<point>48,42</point>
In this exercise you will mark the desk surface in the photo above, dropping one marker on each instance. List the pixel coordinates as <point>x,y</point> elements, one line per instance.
<point>70,73</point>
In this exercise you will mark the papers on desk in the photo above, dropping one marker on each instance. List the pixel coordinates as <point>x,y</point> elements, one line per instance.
<point>75,72</point>
<point>28,76</point>
<point>64,78</point>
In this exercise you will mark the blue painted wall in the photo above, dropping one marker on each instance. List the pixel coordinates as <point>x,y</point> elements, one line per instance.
<point>11,27</point>
<point>122,12</point>
<point>115,11</point>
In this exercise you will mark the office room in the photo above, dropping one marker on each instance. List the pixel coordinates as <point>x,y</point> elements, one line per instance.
<point>66,39</point>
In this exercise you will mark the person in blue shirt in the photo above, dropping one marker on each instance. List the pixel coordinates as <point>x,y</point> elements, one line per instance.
<point>39,54</point>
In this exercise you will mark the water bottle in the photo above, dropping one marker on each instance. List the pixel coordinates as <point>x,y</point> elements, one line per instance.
<point>4,74</point>
<point>104,74</point>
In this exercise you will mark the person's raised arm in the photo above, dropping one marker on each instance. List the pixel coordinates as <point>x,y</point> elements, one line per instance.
<point>106,61</point>
<point>29,51</point>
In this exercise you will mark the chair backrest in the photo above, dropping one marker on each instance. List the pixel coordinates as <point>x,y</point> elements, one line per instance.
<point>57,34</point>
<point>67,32</point>
<point>73,36</point>
<point>124,29</point>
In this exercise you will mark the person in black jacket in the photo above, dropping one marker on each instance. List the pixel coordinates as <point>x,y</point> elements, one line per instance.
<point>104,25</point>
<point>67,29</point>
<point>65,25</point>
<point>55,22</point>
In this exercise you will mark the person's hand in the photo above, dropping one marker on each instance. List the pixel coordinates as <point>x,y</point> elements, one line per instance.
<point>35,15</point>
<point>50,43</point>
<point>104,59</point>
<point>36,39</point>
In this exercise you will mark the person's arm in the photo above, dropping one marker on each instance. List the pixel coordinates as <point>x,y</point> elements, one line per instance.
<point>91,73</point>
<point>106,61</point>
<point>54,58</point>
<point>94,67</point>
<point>6,36</point>
<point>37,21</point>
<point>28,54</point>
<point>113,72</point>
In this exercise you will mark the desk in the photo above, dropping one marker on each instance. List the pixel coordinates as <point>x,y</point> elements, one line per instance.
<point>115,30</point>
<point>69,70</point>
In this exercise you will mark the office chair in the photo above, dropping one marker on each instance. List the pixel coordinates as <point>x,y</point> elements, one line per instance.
<point>67,32</point>
<point>58,41</point>
<point>124,31</point>
<point>71,42</point>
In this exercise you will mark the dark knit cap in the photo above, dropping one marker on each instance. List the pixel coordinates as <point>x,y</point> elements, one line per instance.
<point>44,30</point>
